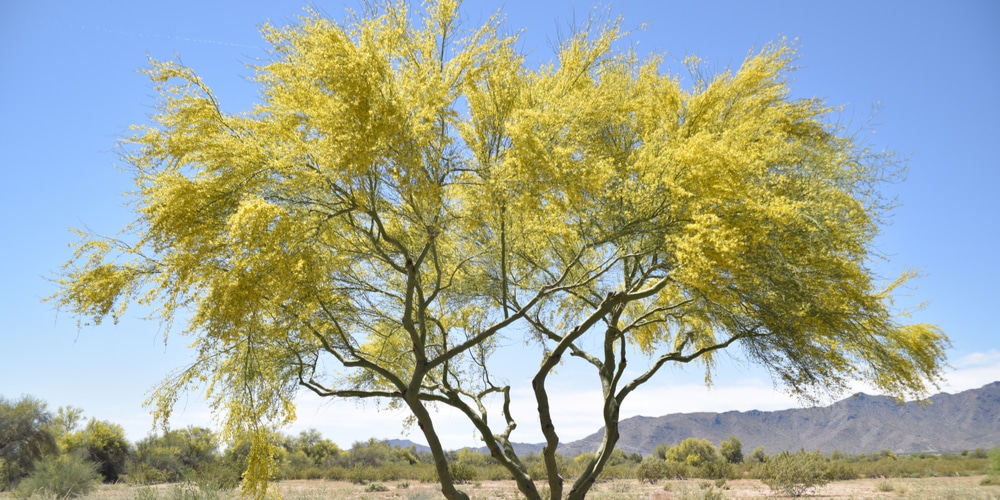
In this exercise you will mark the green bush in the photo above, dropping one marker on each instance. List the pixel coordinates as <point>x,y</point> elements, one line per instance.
<point>732,450</point>
<point>840,470</point>
<point>757,455</point>
<point>103,443</point>
<point>651,470</point>
<point>692,451</point>
<point>462,472</point>
<point>794,474</point>
<point>715,469</point>
<point>994,460</point>
<point>24,438</point>
<point>68,476</point>
<point>677,470</point>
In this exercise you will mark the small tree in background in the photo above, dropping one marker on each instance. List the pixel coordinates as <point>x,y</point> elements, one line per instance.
<point>174,455</point>
<point>732,450</point>
<point>757,455</point>
<point>692,451</point>
<point>103,443</point>
<point>25,438</point>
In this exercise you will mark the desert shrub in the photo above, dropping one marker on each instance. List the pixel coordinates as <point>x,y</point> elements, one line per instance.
<point>715,469</point>
<point>376,486</point>
<point>361,475</point>
<point>692,451</point>
<point>190,491</point>
<point>619,471</point>
<point>218,475</point>
<point>67,476</point>
<point>500,473</point>
<point>677,470</point>
<point>994,460</point>
<point>103,443</point>
<point>177,455</point>
<point>462,472</point>
<point>651,470</point>
<point>335,473</point>
<point>732,450</point>
<point>884,486</point>
<point>757,455</point>
<point>25,438</point>
<point>310,442</point>
<point>794,473</point>
<point>840,470</point>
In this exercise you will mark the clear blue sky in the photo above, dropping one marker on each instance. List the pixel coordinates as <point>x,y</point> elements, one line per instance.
<point>70,88</point>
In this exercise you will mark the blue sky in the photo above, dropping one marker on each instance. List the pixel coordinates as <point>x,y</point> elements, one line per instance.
<point>70,88</point>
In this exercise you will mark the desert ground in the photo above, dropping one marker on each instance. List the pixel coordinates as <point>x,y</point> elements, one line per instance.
<point>966,487</point>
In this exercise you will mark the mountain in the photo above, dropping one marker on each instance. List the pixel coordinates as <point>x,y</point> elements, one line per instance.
<point>858,424</point>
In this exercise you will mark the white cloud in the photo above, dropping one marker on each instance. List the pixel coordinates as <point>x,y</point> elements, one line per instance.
<point>973,371</point>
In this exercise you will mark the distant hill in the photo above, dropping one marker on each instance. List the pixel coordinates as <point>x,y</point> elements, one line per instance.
<point>858,424</point>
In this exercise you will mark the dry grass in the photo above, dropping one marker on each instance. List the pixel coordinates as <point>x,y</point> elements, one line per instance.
<point>917,488</point>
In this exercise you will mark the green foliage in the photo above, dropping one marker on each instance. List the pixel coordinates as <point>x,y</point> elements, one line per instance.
<point>652,469</point>
<point>66,422</point>
<point>25,438</point>
<point>732,450</point>
<point>757,455</point>
<point>418,190</point>
<point>462,472</point>
<point>994,460</point>
<point>310,442</point>
<point>692,451</point>
<point>66,476</point>
<point>103,443</point>
<point>840,470</point>
<point>715,469</point>
<point>175,455</point>
<point>794,473</point>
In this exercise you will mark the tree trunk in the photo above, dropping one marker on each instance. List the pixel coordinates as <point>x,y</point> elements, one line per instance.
<point>440,459</point>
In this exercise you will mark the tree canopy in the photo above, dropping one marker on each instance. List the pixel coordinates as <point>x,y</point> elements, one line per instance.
<point>408,192</point>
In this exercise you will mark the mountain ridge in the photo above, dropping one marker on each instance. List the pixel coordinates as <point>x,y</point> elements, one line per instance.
<point>860,423</point>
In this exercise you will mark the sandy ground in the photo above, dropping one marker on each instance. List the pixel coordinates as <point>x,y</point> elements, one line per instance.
<point>943,488</point>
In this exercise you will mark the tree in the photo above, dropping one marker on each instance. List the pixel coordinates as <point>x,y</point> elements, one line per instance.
<point>103,443</point>
<point>408,194</point>
<point>24,438</point>
<point>315,446</point>
<point>732,450</point>
<point>176,454</point>
<point>692,451</point>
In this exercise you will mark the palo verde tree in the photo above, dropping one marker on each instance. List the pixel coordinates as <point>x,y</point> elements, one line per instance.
<point>409,192</point>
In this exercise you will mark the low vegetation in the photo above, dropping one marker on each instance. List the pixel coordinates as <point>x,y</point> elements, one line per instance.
<point>53,456</point>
